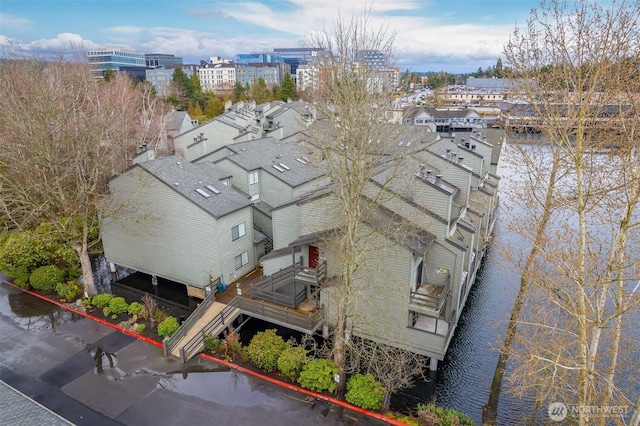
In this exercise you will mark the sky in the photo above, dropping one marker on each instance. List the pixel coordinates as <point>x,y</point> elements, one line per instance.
<point>456,36</point>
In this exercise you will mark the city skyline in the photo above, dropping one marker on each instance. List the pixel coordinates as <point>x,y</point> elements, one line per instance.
<point>454,36</point>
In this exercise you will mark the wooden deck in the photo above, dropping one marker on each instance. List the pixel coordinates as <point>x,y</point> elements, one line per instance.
<point>245,282</point>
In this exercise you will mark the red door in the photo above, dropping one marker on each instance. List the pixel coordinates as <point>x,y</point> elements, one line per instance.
<point>313,257</point>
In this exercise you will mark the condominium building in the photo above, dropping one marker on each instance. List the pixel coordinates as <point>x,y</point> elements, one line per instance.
<point>220,76</point>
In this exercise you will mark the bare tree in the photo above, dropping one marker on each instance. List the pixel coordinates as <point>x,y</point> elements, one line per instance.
<point>577,72</point>
<point>352,139</point>
<point>396,369</point>
<point>63,134</point>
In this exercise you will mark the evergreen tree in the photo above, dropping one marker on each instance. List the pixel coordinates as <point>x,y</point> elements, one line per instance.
<point>108,74</point>
<point>288,90</point>
<point>238,91</point>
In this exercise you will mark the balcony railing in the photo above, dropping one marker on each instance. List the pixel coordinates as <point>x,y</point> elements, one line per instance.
<point>431,296</point>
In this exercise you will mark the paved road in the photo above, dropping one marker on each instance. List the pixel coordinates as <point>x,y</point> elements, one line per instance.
<point>91,374</point>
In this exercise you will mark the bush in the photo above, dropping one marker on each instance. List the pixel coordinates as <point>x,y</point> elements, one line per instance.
<point>46,278</point>
<point>139,328</point>
<point>21,277</point>
<point>265,348</point>
<point>101,300</point>
<point>168,327</point>
<point>135,308</point>
<point>432,414</point>
<point>69,290</point>
<point>291,361</point>
<point>364,391</point>
<point>116,306</point>
<point>211,343</point>
<point>318,375</point>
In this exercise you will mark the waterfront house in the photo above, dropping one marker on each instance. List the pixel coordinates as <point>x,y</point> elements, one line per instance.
<point>179,221</point>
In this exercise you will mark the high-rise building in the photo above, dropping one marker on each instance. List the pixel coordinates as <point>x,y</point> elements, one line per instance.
<point>114,59</point>
<point>296,56</point>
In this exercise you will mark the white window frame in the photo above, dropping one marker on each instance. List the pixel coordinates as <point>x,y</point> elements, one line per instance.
<point>240,230</point>
<point>241,260</point>
<point>254,177</point>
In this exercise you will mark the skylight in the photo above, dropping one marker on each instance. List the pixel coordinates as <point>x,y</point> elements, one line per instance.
<point>284,166</point>
<point>278,168</point>
<point>202,192</point>
<point>301,160</point>
<point>212,189</point>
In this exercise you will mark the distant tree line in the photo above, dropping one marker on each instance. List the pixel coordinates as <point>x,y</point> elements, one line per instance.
<point>437,79</point>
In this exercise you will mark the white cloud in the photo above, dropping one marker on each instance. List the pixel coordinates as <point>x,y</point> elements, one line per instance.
<point>12,21</point>
<point>64,42</point>
<point>124,30</point>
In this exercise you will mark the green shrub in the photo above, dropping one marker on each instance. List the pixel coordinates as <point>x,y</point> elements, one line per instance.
<point>139,328</point>
<point>167,327</point>
<point>211,343</point>
<point>21,277</point>
<point>318,375</point>
<point>101,300</point>
<point>364,391</point>
<point>116,306</point>
<point>46,277</point>
<point>432,414</point>
<point>291,361</point>
<point>23,252</point>
<point>135,308</point>
<point>265,348</point>
<point>68,291</point>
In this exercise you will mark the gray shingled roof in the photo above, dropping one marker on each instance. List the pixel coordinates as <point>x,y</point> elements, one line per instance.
<point>184,177</point>
<point>265,153</point>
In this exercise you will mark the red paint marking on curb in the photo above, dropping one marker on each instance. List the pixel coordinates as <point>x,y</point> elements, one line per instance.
<point>84,314</point>
<point>237,367</point>
<point>298,389</point>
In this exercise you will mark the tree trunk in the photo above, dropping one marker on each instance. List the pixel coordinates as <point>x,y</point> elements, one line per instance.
<point>339,356</point>
<point>87,271</point>
<point>490,409</point>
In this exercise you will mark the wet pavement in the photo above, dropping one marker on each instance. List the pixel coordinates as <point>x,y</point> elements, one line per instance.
<point>91,374</point>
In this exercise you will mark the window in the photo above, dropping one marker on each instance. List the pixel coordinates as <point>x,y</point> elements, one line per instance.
<point>237,231</point>
<point>253,177</point>
<point>242,260</point>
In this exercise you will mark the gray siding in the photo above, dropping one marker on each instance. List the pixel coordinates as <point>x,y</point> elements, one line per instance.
<point>382,310</point>
<point>216,135</point>
<point>229,249</point>
<point>160,232</point>
<point>286,225</point>
<point>274,191</point>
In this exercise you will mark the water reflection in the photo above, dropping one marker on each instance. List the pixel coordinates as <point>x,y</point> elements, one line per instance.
<point>31,313</point>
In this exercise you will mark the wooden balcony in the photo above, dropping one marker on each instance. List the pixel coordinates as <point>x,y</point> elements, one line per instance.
<point>430,296</point>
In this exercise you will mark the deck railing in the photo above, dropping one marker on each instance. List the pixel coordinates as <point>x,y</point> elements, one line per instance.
<point>432,301</point>
<point>284,316</point>
<point>214,327</point>
<point>239,305</point>
<point>290,301</point>
<point>195,316</point>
